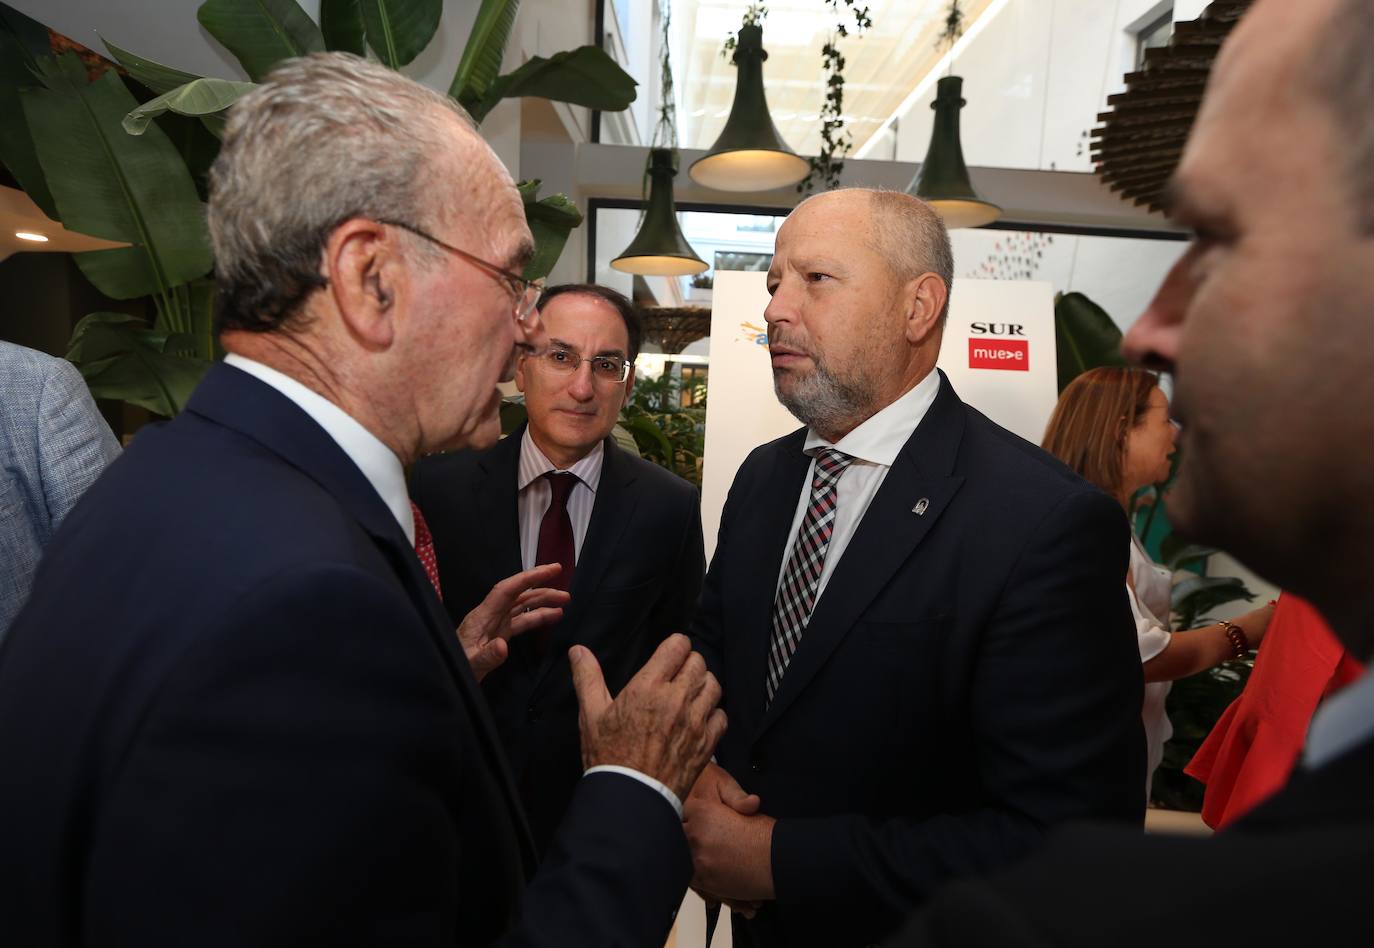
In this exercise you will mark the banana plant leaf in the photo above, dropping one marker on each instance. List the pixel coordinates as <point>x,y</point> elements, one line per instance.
<point>121,358</point>
<point>157,77</point>
<point>112,185</point>
<point>31,35</point>
<point>341,22</point>
<point>1198,595</point>
<point>399,30</point>
<point>550,220</point>
<point>261,33</point>
<point>1085,337</point>
<point>17,151</point>
<point>486,47</point>
<point>649,437</point>
<point>196,98</point>
<point>582,76</point>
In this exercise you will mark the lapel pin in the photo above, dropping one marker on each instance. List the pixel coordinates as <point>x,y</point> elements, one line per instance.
<point>921,507</point>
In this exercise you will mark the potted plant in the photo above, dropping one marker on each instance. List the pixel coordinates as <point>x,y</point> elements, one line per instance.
<point>122,154</point>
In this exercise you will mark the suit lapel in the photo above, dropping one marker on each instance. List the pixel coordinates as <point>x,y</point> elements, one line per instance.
<point>614,506</point>
<point>921,480</point>
<point>239,401</point>
<point>497,508</point>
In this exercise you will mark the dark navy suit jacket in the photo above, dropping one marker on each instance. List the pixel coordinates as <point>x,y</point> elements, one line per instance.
<point>235,713</point>
<point>968,678</point>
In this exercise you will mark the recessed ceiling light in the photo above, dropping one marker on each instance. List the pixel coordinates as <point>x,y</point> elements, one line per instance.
<point>30,235</point>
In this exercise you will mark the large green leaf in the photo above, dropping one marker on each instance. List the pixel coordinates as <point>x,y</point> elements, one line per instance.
<point>550,220</point>
<point>486,47</point>
<point>110,184</point>
<point>155,76</point>
<point>1085,337</point>
<point>582,76</point>
<point>1196,596</point>
<point>196,98</point>
<point>31,35</point>
<point>121,358</point>
<point>17,152</point>
<point>399,30</point>
<point>261,33</point>
<point>341,22</point>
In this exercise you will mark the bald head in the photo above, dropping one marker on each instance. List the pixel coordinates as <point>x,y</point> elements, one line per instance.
<point>905,231</point>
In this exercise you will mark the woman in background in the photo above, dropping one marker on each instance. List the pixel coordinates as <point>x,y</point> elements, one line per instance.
<point>1112,427</point>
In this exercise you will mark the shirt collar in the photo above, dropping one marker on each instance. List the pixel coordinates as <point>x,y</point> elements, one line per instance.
<point>534,464</point>
<point>1343,722</point>
<point>880,438</point>
<point>378,463</point>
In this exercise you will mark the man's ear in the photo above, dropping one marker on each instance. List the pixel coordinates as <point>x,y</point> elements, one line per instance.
<point>520,362</point>
<point>925,298</point>
<point>365,269</point>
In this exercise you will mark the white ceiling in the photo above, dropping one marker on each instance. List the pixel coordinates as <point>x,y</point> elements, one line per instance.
<point>881,66</point>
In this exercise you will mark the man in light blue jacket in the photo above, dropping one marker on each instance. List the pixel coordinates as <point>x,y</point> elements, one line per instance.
<point>53,445</point>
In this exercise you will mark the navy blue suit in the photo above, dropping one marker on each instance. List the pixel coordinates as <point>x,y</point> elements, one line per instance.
<point>968,678</point>
<point>235,713</point>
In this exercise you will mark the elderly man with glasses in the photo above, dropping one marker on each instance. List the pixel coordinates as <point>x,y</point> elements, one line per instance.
<point>625,532</point>
<point>234,711</point>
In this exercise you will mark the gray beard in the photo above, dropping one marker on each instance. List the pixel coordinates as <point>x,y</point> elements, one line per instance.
<point>823,401</point>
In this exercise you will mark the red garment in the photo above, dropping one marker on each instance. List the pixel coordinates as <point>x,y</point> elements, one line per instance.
<point>1256,742</point>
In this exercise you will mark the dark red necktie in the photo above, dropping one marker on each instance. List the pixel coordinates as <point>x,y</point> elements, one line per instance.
<point>424,549</point>
<point>556,544</point>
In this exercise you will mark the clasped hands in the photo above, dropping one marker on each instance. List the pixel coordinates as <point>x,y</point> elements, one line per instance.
<point>731,842</point>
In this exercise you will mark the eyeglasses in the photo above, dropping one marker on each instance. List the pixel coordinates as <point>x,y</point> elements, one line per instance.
<point>605,368</point>
<point>527,292</point>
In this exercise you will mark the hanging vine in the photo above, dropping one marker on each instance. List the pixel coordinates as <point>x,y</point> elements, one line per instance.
<point>836,141</point>
<point>954,27</point>
<point>835,138</point>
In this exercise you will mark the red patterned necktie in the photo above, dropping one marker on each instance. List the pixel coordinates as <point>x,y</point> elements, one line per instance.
<point>802,577</point>
<point>424,549</point>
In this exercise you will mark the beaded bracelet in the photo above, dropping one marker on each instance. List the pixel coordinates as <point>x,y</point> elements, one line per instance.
<point>1240,642</point>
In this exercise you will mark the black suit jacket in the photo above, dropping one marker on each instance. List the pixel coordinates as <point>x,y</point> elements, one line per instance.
<point>637,581</point>
<point>1295,871</point>
<point>968,678</point>
<point>234,713</point>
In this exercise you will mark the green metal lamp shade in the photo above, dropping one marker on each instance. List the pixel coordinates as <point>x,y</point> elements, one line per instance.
<point>750,154</point>
<point>660,249</point>
<point>943,180</point>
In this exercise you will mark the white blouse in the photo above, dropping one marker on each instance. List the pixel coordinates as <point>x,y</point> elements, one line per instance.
<point>1150,606</point>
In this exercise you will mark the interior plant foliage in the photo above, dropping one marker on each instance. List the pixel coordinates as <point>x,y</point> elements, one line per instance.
<point>122,154</point>
<point>836,141</point>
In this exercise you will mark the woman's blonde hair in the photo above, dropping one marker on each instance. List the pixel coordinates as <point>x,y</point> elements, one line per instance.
<point>1088,428</point>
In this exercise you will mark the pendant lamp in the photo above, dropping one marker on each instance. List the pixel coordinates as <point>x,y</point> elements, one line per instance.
<point>750,154</point>
<point>660,249</point>
<point>943,179</point>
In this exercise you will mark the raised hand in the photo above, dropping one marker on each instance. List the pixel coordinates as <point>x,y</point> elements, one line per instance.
<point>516,604</point>
<point>664,724</point>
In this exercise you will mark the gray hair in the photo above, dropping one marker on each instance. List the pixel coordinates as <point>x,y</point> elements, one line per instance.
<point>1343,70</point>
<point>325,138</point>
<point>913,239</point>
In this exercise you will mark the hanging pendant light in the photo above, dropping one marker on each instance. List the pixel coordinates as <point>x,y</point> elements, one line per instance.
<point>750,154</point>
<point>943,180</point>
<point>660,249</point>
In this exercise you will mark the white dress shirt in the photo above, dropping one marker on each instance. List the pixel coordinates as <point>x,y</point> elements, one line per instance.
<point>1150,607</point>
<point>384,471</point>
<point>535,494</point>
<point>874,445</point>
<point>1343,722</point>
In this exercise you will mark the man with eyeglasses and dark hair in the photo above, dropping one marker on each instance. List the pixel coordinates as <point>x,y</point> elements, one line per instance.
<point>234,710</point>
<point>626,533</point>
